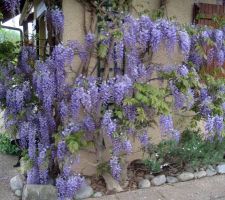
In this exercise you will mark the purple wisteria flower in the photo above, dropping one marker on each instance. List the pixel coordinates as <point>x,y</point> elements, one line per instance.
<point>166,123</point>
<point>108,124</point>
<point>33,176</point>
<point>56,18</point>
<point>182,71</point>
<point>144,139</point>
<point>184,42</point>
<point>115,167</point>
<point>127,146</point>
<point>61,150</point>
<point>214,126</point>
<point>12,6</point>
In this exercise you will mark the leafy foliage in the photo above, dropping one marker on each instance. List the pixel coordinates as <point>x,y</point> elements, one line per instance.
<point>6,146</point>
<point>192,150</point>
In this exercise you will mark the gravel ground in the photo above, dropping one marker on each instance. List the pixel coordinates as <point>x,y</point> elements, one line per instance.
<point>6,172</point>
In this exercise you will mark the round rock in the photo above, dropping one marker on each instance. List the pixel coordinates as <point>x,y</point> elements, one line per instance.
<point>144,183</point>
<point>18,193</point>
<point>16,183</point>
<point>84,192</point>
<point>200,174</point>
<point>185,176</point>
<point>171,179</point>
<point>97,195</point>
<point>221,168</point>
<point>211,172</point>
<point>158,180</point>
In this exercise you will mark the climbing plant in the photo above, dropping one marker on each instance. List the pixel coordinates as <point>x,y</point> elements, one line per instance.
<point>55,118</point>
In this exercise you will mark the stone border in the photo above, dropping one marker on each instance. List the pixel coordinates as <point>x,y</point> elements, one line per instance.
<point>49,192</point>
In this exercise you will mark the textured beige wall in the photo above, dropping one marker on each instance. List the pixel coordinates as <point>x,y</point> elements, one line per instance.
<point>180,9</point>
<point>73,30</point>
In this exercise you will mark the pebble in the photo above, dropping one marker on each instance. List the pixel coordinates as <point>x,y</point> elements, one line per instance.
<point>211,172</point>
<point>97,195</point>
<point>16,183</point>
<point>221,168</point>
<point>144,183</point>
<point>200,174</point>
<point>171,179</point>
<point>84,192</point>
<point>39,192</point>
<point>158,180</point>
<point>185,176</point>
<point>18,193</point>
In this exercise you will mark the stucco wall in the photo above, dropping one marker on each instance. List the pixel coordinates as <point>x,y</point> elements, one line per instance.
<point>180,9</point>
<point>73,30</point>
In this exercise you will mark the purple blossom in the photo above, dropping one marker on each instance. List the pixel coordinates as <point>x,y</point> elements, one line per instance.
<point>119,53</point>
<point>115,168</point>
<point>190,99</point>
<point>24,129</point>
<point>184,42</point>
<point>15,100</point>
<point>122,87</point>
<point>145,31</point>
<point>130,112</point>
<point>218,124</point>
<point>175,134</point>
<point>68,186</point>
<point>218,37</point>
<point>144,138</point>
<point>44,130</point>
<point>204,94</point>
<point>26,59</point>
<point>31,142</point>
<point>12,6</point>
<point>182,71</point>
<point>166,124</point>
<point>89,124</point>
<point>127,146</point>
<point>73,184</point>
<point>179,98</point>
<point>169,33</point>
<point>70,128</point>
<point>33,176</point>
<point>61,150</point>
<point>64,110</point>
<point>89,41</point>
<point>220,57</point>
<point>156,38</point>
<point>105,92</point>
<point>56,19</point>
<point>108,124</point>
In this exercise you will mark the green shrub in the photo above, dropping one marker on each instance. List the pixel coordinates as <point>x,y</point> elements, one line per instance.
<point>192,150</point>
<point>6,146</point>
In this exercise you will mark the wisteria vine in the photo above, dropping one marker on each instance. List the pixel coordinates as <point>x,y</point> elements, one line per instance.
<point>54,119</point>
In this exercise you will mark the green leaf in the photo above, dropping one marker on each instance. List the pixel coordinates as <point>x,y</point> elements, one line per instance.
<point>73,147</point>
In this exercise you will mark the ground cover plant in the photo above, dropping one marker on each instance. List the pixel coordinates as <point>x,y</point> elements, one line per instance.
<point>192,151</point>
<point>56,118</point>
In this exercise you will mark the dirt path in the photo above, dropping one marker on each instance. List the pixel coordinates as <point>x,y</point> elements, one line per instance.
<point>6,172</point>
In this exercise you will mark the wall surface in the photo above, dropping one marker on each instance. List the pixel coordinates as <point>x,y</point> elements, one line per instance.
<point>73,30</point>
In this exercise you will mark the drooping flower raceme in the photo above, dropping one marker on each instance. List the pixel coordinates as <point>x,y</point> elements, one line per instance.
<point>56,18</point>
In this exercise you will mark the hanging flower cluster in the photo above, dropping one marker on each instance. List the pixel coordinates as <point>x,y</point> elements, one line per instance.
<point>12,6</point>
